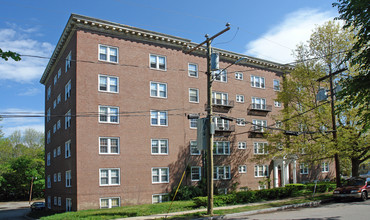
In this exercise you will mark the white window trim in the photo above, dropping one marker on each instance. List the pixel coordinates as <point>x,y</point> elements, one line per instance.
<point>218,73</point>
<point>158,118</point>
<point>68,178</point>
<point>68,120</point>
<point>108,52</point>
<point>200,173</point>
<point>265,169</point>
<point>303,169</point>
<point>109,114</point>
<point>159,147</point>
<point>67,149</point>
<point>273,84</point>
<point>108,84</point>
<point>259,124</point>
<point>197,90</point>
<point>160,176</point>
<point>240,122</point>
<point>242,143</point>
<point>158,94</point>
<point>225,145</point>
<point>109,202</point>
<point>190,120</point>
<point>237,74</point>
<point>68,204</point>
<point>109,177</point>
<point>258,87</point>
<point>277,104</point>
<point>226,169</point>
<point>68,90</point>
<point>325,167</point>
<point>157,62</point>
<point>109,146</point>
<point>197,71</point>
<point>191,153</point>
<point>68,60</point>
<point>241,169</point>
<point>160,197</point>
<point>238,99</point>
<point>256,148</point>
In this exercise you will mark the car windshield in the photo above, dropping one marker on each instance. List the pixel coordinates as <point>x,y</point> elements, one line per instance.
<point>354,182</point>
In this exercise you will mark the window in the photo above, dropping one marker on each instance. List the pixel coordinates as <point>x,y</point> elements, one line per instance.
<point>54,128</point>
<point>107,203</point>
<point>49,202</point>
<point>55,200</point>
<point>258,103</point>
<point>58,124</point>
<point>221,147</point>
<point>259,125</point>
<point>108,114</point>
<point>260,148</point>
<point>277,104</point>
<point>276,85</point>
<point>325,167</point>
<point>221,172</point>
<point>278,124</point>
<point>239,76</point>
<point>67,149</point>
<point>221,124</point>
<point>67,90</point>
<point>55,178</point>
<point>159,198</point>
<point>48,93</point>
<point>193,123</point>
<point>54,104</point>
<point>220,98</point>
<point>262,187</point>
<point>68,61</point>
<point>68,179</point>
<point>193,148</point>
<point>48,181</point>
<point>59,177</point>
<point>59,99</point>
<point>260,170</point>
<point>67,120</point>
<point>58,151</point>
<point>68,204</point>
<point>59,72</point>
<point>220,76</point>
<point>108,145</point>
<point>55,79</point>
<point>240,121</point>
<point>195,173</point>
<point>194,95</point>
<point>159,146</point>
<point>108,84</point>
<point>303,168</point>
<point>157,62</point>
<point>160,175</point>
<point>158,118</point>
<point>48,115</point>
<point>258,82</point>
<point>193,70</point>
<point>109,177</point>
<point>59,201</point>
<point>158,90</point>
<point>48,159</point>
<point>242,145</point>
<point>55,152</point>
<point>109,54</point>
<point>48,137</point>
<point>242,169</point>
<point>240,98</point>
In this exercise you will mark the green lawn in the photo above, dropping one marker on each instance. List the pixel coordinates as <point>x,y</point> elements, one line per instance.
<point>150,209</point>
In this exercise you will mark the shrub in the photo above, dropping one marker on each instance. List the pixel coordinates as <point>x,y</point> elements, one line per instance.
<point>245,196</point>
<point>186,193</point>
<point>200,201</point>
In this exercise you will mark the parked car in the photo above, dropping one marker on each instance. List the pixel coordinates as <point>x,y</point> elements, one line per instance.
<point>354,187</point>
<point>37,206</point>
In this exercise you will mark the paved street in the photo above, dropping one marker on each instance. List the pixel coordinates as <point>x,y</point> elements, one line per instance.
<point>354,210</point>
<point>13,210</point>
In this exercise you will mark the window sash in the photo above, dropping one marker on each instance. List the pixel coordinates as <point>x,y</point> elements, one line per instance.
<point>194,95</point>
<point>260,170</point>
<point>159,146</point>
<point>109,177</point>
<point>158,118</point>
<point>108,53</point>
<point>260,147</point>
<point>221,172</point>
<point>193,70</point>
<point>193,148</point>
<point>160,175</point>
<point>108,145</point>
<point>221,147</point>
<point>195,173</point>
<point>108,114</point>
<point>258,82</point>
<point>158,90</point>
<point>157,62</point>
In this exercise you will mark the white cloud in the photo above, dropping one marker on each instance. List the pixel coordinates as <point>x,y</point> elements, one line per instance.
<point>279,42</point>
<point>28,69</point>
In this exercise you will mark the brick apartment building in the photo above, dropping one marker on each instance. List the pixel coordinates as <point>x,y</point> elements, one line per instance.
<point>117,133</point>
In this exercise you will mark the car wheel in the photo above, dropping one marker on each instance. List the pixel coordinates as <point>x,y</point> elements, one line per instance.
<point>363,196</point>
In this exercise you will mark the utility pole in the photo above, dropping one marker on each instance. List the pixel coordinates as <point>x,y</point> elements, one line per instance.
<point>208,41</point>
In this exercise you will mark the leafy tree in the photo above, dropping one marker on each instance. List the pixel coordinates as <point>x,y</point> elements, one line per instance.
<point>9,54</point>
<point>356,92</point>
<point>320,56</point>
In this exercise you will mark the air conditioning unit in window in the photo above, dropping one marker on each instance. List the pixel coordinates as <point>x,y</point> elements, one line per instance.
<point>221,128</point>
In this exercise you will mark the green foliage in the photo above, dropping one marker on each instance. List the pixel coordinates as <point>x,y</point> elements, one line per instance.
<point>186,193</point>
<point>9,54</point>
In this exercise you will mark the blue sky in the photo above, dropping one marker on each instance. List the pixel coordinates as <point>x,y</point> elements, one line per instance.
<point>267,29</point>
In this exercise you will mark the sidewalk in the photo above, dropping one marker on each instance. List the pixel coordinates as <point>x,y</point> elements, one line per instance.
<point>169,215</point>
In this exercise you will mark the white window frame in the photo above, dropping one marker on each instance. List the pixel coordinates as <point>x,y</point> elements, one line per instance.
<point>110,177</point>
<point>258,82</point>
<point>257,171</point>
<point>221,147</point>
<point>242,169</point>
<point>240,98</point>
<point>108,83</point>
<point>277,104</point>
<point>160,176</point>
<point>67,90</point>
<point>59,151</point>
<point>242,145</point>
<point>192,122</point>
<point>68,178</point>
<point>157,115</point>
<point>221,172</point>
<point>68,204</point>
<point>240,121</point>
<point>193,73</point>
<point>157,90</point>
<point>67,149</point>
<point>259,103</point>
<point>109,145</point>
<point>199,173</point>
<point>67,120</point>
<point>221,123</point>
<point>191,95</point>
<point>108,53</point>
<point>259,125</point>
<point>163,197</point>
<point>325,167</point>
<point>239,76</point>
<point>58,125</point>
<point>110,202</point>
<point>193,148</point>
<point>159,146</point>
<point>109,114</point>
<point>157,66</point>
<point>223,98</point>
<point>276,87</point>
<point>220,76</point>
<point>259,148</point>
<point>68,61</point>
<point>303,169</point>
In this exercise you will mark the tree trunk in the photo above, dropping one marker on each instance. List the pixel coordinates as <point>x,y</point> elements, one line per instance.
<point>355,166</point>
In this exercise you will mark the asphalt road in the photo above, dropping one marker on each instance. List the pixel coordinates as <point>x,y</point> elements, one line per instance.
<point>353,210</point>
<point>13,210</point>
